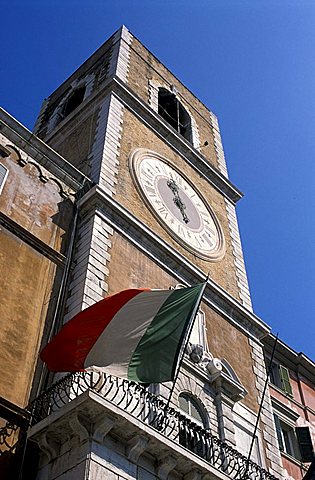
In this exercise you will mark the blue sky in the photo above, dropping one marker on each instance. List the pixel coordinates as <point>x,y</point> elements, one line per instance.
<point>249,61</point>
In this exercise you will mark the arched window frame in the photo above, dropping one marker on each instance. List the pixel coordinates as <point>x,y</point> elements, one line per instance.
<point>154,87</point>
<point>195,402</point>
<point>189,425</point>
<point>58,112</point>
<point>78,94</point>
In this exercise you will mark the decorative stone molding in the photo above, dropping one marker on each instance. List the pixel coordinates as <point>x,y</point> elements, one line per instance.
<point>218,372</point>
<point>193,475</point>
<point>166,466</point>
<point>104,155</point>
<point>102,427</point>
<point>43,175</point>
<point>120,54</point>
<point>47,446</point>
<point>136,446</point>
<point>239,263</point>
<point>88,284</point>
<point>198,355</point>
<point>266,417</point>
<point>78,428</point>
<point>194,131</point>
<point>218,144</point>
<point>225,418</point>
<point>32,147</point>
<point>154,95</point>
<point>89,85</point>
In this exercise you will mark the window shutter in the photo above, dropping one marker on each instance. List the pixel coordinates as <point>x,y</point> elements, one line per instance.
<point>305,443</point>
<point>285,379</point>
<point>279,432</point>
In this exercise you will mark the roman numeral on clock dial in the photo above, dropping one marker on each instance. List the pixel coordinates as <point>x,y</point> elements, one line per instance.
<point>179,207</point>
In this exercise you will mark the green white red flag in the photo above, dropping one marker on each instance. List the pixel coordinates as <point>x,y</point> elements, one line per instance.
<point>136,334</point>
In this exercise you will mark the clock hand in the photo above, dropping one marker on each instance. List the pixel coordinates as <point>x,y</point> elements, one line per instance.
<point>177,200</point>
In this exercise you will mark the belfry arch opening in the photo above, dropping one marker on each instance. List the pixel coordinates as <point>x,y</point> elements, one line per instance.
<point>174,113</point>
<point>74,100</point>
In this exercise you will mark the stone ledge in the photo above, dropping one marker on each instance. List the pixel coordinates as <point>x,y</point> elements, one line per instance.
<point>91,409</point>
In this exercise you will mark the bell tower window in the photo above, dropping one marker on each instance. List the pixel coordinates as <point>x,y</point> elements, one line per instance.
<point>174,113</point>
<point>74,100</point>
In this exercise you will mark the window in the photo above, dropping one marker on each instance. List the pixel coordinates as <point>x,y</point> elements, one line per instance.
<point>74,100</point>
<point>3,176</point>
<point>188,428</point>
<point>174,113</point>
<point>286,438</point>
<point>280,376</point>
<point>190,407</point>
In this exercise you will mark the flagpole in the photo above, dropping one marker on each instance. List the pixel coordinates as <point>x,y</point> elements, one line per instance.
<point>260,406</point>
<point>189,330</point>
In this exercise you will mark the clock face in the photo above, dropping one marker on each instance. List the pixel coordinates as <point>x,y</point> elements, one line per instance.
<point>178,206</point>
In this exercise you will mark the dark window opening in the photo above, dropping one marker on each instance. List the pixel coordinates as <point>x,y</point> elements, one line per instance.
<point>4,152</point>
<point>286,438</point>
<point>174,113</point>
<point>74,100</point>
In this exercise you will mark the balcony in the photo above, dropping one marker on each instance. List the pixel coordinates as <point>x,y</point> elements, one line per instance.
<point>95,408</point>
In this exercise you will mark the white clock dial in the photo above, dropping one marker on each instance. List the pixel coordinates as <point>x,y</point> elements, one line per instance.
<point>177,204</point>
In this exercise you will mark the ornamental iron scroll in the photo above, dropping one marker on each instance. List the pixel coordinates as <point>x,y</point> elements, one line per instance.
<point>8,437</point>
<point>136,400</point>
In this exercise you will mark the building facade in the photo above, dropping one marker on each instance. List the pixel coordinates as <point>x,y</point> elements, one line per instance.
<point>123,184</point>
<point>291,385</point>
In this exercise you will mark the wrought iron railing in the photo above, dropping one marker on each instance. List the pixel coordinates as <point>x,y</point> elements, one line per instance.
<point>8,437</point>
<point>151,410</point>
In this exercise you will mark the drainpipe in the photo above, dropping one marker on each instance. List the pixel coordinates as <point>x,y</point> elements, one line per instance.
<point>61,298</point>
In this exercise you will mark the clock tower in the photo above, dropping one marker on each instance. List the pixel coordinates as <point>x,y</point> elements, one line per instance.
<point>160,213</point>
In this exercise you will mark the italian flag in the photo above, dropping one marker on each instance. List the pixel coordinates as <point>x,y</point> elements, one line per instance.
<point>136,334</point>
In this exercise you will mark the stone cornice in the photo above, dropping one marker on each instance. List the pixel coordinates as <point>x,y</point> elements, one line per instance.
<point>89,409</point>
<point>40,151</point>
<point>296,361</point>
<point>284,410</point>
<point>171,260</point>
